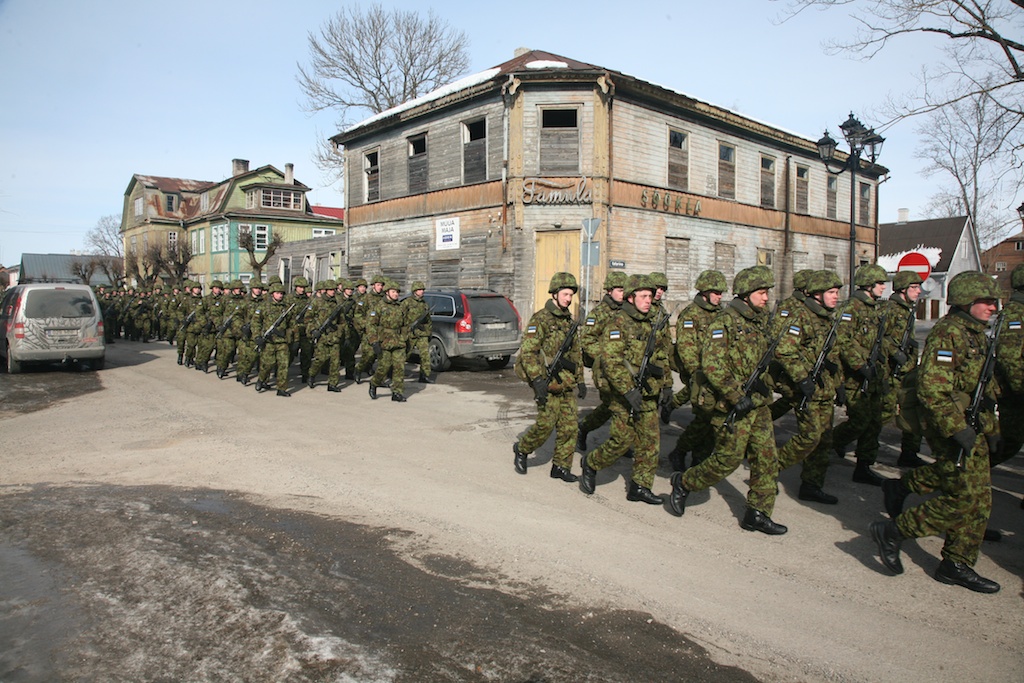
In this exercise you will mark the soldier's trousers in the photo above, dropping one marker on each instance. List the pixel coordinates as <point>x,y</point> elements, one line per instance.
<point>226,347</point>
<point>699,436</point>
<point>204,348</point>
<point>189,349</point>
<point>421,347</point>
<point>391,364</point>
<point>304,349</point>
<point>811,443</point>
<point>754,439</point>
<point>348,357</point>
<point>330,354</point>
<point>275,359</point>
<point>863,424</point>
<point>558,415</point>
<point>247,356</point>
<point>910,443</point>
<point>640,432</point>
<point>366,356</point>
<point>599,415</point>
<point>962,505</point>
<point>1011,427</point>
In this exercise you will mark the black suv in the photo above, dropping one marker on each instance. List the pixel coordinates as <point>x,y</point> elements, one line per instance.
<point>472,323</point>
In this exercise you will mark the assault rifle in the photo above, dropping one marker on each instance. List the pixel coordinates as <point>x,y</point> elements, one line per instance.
<point>188,319</point>
<point>904,347</point>
<point>755,377</point>
<point>876,352</point>
<point>559,361</point>
<point>319,331</point>
<point>646,371</point>
<point>419,321</point>
<point>262,340</point>
<point>222,328</point>
<point>819,362</point>
<point>973,412</point>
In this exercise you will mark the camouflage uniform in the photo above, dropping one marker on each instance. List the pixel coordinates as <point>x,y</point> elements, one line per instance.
<point>902,363</point>
<point>419,339</point>
<point>188,335</point>
<point>248,356</point>
<point>327,338</point>
<point>738,339</point>
<point>301,344</point>
<point>367,309</point>
<point>591,336</point>
<point>864,383</point>
<point>213,316</point>
<point>545,333</point>
<point>351,336</point>
<point>1010,371</point>
<point>235,317</point>
<point>634,422</point>
<point>275,355</point>
<point>387,332</point>
<point>784,309</point>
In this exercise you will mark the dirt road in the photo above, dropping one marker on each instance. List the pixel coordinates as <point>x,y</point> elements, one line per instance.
<point>171,525</point>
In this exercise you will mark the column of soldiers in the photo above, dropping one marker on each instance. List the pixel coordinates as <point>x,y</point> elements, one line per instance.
<point>743,366</point>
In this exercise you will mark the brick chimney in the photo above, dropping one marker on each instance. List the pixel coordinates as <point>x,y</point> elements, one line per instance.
<point>289,174</point>
<point>239,166</point>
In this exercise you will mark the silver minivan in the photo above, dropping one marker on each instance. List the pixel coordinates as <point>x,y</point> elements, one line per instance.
<point>51,323</point>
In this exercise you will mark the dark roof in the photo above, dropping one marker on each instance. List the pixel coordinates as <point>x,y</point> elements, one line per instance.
<point>942,233</point>
<point>58,268</point>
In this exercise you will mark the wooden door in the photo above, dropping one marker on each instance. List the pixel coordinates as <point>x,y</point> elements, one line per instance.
<point>557,251</point>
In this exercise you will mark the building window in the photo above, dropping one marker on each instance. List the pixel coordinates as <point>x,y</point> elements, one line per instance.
<point>831,197</point>
<point>678,160</point>
<point>802,175</point>
<point>170,203</point>
<point>138,206</point>
<point>830,262</point>
<point>474,151</point>
<point>1000,266</point>
<point>145,242</point>
<point>1020,246</point>
<point>199,241</point>
<point>864,203</point>
<point>285,271</point>
<point>260,236</point>
<point>323,232</point>
<point>725,259</point>
<point>204,202</point>
<point>131,248</point>
<point>726,171</point>
<point>418,163</point>
<point>768,182</point>
<point>559,142</point>
<point>219,237</point>
<point>766,257</point>
<point>172,240</point>
<point>371,166</point>
<point>281,199</point>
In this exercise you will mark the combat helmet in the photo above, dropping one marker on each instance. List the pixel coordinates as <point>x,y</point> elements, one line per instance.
<point>821,281</point>
<point>417,285</point>
<point>276,287</point>
<point>345,283</point>
<point>752,279</point>
<point>869,275</point>
<point>389,284</point>
<point>615,278</point>
<point>236,284</point>
<point>563,281</point>
<point>801,277</point>
<point>659,280</point>
<point>637,282</point>
<point>361,282</point>
<point>274,280</point>
<point>300,282</point>
<point>328,284</point>
<point>967,287</point>
<point>217,283</point>
<point>1017,277</point>
<point>711,281</point>
<point>381,279</point>
<point>904,279</point>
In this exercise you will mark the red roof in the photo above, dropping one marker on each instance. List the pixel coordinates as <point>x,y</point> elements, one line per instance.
<point>328,211</point>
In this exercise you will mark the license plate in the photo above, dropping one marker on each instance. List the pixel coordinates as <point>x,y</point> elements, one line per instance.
<point>494,326</point>
<point>497,356</point>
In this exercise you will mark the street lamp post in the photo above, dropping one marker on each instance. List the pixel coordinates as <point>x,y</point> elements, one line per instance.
<point>861,140</point>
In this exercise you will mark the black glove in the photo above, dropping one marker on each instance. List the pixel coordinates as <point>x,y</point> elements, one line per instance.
<point>377,349</point>
<point>634,399</point>
<point>965,439</point>
<point>840,395</point>
<point>315,335</point>
<point>832,368</point>
<point>743,407</point>
<point>899,358</point>
<point>868,371</point>
<point>567,365</point>
<point>540,390</point>
<point>807,387</point>
<point>914,344</point>
<point>246,331</point>
<point>581,390</point>
<point>995,442</point>
<point>261,341</point>
<point>655,371</point>
<point>208,328</point>
<point>761,388</point>
<point>666,397</point>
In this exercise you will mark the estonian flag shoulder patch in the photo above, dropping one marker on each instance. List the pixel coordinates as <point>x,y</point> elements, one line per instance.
<point>943,356</point>
<point>687,324</point>
<point>794,330</point>
<point>614,335</point>
<point>1013,326</point>
<point>532,329</point>
<point>590,322</point>
<point>846,317</point>
<point>784,313</point>
<point>718,334</point>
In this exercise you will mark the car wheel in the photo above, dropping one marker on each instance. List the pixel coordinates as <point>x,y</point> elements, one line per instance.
<point>498,363</point>
<point>13,366</point>
<point>438,356</point>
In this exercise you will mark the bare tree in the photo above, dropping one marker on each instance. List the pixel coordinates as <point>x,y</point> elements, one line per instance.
<point>982,52</point>
<point>112,267</point>
<point>246,241</point>
<point>106,238</point>
<point>173,261</point>
<point>143,267</point>
<point>374,59</point>
<point>84,269</point>
<point>967,143</point>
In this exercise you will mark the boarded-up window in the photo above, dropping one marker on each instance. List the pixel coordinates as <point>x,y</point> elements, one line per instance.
<point>829,261</point>
<point>864,204</point>
<point>418,164</point>
<point>474,151</point>
<point>678,160</point>
<point>802,175</point>
<point>768,182</point>
<point>559,142</point>
<point>444,274</point>
<point>677,268</point>
<point>831,193</point>
<point>725,259</point>
<point>371,165</point>
<point>726,171</point>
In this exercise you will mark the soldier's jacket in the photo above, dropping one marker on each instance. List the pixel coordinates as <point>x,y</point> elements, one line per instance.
<point>265,313</point>
<point>364,305</point>
<point>348,318</point>
<point>236,313</point>
<point>192,303</point>
<point>622,351</point>
<point>386,324</point>
<point>251,304</point>
<point>592,329</point>
<point>300,314</point>
<point>664,342</point>
<point>801,342</point>
<point>737,339</point>
<point>897,312</point>
<point>784,309</point>
<point>544,335</point>
<point>323,308</point>
<point>1010,354</point>
<point>211,313</point>
<point>691,332</point>
<point>950,367</point>
<point>858,328</point>
<point>414,308</point>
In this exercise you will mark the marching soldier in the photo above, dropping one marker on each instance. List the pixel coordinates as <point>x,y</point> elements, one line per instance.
<point>367,309</point>
<point>418,311</point>
<point>865,378</point>
<point>554,388</point>
<point>387,333</point>
<point>350,337</point>
<point>212,316</point>
<point>189,331</point>
<point>300,342</point>
<point>900,310</point>
<point>950,372</point>
<point>1010,371</point>
<point>247,353</point>
<point>738,341</point>
<point>784,309</point>
<point>274,356</point>
<point>625,350</point>
<point>326,331</point>
<point>229,334</point>
<point>591,336</point>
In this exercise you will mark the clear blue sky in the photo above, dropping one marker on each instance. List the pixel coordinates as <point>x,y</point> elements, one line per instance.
<point>94,92</point>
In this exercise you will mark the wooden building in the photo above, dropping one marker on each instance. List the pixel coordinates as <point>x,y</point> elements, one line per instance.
<point>487,182</point>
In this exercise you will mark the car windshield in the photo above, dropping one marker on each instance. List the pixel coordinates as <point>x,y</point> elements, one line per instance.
<point>58,303</point>
<point>491,308</point>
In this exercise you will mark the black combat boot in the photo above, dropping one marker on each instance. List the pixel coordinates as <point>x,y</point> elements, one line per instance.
<point>398,398</point>
<point>425,379</point>
<point>677,499</point>
<point>359,376</point>
<point>862,474</point>
<point>283,392</point>
<point>959,574</point>
<point>755,520</point>
<point>581,439</point>
<point>335,388</point>
<point>889,540</point>
<point>809,491</point>
<point>666,413</point>
<point>642,494</point>
<point>893,495</point>
<point>310,382</point>
<point>373,390</point>
<point>518,459</point>
<point>992,535</point>
<point>563,473</point>
<point>909,459</point>
<point>181,360</point>
<point>201,367</point>
<point>260,386</point>
<point>588,482</point>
